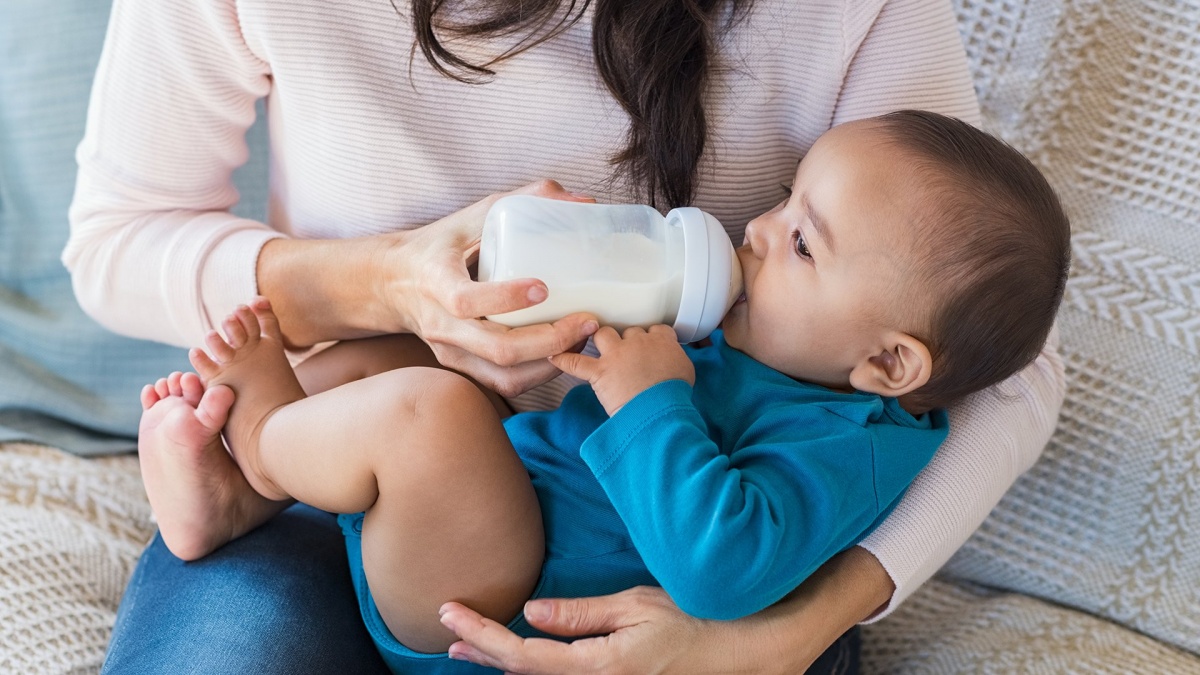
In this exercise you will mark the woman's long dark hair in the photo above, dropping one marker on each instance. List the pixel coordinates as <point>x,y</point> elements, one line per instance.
<point>654,56</point>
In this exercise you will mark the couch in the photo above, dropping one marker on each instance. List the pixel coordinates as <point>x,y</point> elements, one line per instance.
<point>1090,564</point>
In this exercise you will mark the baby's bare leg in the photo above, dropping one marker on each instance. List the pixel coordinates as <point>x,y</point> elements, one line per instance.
<point>352,360</point>
<point>198,493</point>
<point>451,514</point>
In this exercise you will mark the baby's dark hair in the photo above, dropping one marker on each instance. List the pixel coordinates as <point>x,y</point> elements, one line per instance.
<point>998,253</point>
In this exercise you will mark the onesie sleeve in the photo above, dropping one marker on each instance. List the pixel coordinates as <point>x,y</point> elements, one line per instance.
<point>154,252</point>
<point>728,535</point>
<point>911,56</point>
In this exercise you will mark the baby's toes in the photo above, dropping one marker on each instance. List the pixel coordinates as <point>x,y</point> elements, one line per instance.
<point>249,323</point>
<point>193,389</point>
<point>213,410</point>
<point>266,318</point>
<point>149,396</point>
<point>173,386</point>
<point>162,388</point>
<point>235,334</point>
<point>218,347</point>
<point>204,365</point>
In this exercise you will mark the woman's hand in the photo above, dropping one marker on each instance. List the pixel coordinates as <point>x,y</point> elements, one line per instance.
<point>629,364</point>
<point>642,631</point>
<point>418,282</point>
<point>430,286</point>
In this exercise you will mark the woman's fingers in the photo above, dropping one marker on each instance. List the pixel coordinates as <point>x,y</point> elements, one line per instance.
<point>434,297</point>
<point>639,630</point>
<point>468,299</point>
<point>513,346</point>
<point>572,617</point>
<point>487,643</point>
<point>551,189</point>
<point>467,222</point>
<point>507,381</point>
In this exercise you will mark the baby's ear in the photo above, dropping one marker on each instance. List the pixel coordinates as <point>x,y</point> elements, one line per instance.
<point>901,366</point>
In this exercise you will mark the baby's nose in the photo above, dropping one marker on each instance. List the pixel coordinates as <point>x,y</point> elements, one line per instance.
<point>752,240</point>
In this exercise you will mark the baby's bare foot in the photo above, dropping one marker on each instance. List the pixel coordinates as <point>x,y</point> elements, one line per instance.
<point>196,491</point>
<point>250,360</point>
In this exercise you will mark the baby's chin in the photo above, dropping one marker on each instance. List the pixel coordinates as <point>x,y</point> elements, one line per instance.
<point>731,331</point>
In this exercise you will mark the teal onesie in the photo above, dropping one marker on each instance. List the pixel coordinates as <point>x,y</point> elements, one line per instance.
<point>728,493</point>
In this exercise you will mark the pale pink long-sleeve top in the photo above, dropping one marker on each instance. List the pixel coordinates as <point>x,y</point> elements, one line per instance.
<point>366,140</point>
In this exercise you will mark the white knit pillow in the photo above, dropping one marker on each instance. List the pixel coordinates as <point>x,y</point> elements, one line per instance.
<point>71,530</point>
<point>1105,97</point>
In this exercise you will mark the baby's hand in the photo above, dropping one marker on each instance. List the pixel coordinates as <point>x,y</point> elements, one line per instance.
<point>629,364</point>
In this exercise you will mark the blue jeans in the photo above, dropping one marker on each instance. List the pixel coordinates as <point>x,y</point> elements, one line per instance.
<point>278,600</point>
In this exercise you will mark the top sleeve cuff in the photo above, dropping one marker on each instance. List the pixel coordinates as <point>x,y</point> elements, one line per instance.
<point>608,443</point>
<point>899,595</point>
<point>228,275</point>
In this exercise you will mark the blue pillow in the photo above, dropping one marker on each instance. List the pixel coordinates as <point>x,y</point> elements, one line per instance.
<point>64,380</point>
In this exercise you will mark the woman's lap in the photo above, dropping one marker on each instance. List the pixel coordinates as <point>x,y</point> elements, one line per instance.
<point>278,600</point>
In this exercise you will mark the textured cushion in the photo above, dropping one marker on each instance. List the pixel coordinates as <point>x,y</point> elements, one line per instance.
<point>957,627</point>
<point>71,531</point>
<point>1106,98</point>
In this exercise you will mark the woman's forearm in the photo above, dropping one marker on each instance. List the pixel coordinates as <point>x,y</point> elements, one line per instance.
<point>644,631</point>
<point>328,289</point>
<point>788,636</point>
<point>995,436</point>
<point>418,281</point>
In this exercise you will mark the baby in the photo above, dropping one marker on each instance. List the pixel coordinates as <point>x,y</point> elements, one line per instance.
<point>916,260</point>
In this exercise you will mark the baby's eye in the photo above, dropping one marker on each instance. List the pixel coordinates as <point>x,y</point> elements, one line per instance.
<point>801,247</point>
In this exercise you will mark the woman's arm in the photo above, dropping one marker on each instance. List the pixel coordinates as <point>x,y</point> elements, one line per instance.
<point>642,631</point>
<point>912,57</point>
<point>417,282</point>
<point>995,436</point>
<point>154,252</point>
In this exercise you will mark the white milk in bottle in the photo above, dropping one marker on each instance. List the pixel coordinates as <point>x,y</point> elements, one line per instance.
<point>627,264</point>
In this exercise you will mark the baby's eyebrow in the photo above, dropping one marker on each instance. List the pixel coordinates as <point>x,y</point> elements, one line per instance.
<point>819,224</point>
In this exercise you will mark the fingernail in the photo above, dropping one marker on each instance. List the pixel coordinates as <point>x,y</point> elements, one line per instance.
<point>536,294</point>
<point>590,327</point>
<point>448,621</point>
<point>464,652</point>
<point>537,611</point>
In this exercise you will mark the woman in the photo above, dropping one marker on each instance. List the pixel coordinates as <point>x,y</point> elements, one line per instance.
<point>693,102</point>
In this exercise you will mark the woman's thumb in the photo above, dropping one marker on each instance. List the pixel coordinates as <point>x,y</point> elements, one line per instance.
<point>573,617</point>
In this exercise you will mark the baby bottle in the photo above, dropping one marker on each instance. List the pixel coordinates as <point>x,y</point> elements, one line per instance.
<point>627,264</point>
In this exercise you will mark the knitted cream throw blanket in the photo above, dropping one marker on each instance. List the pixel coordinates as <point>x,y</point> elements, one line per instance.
<point>1105,97</point>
